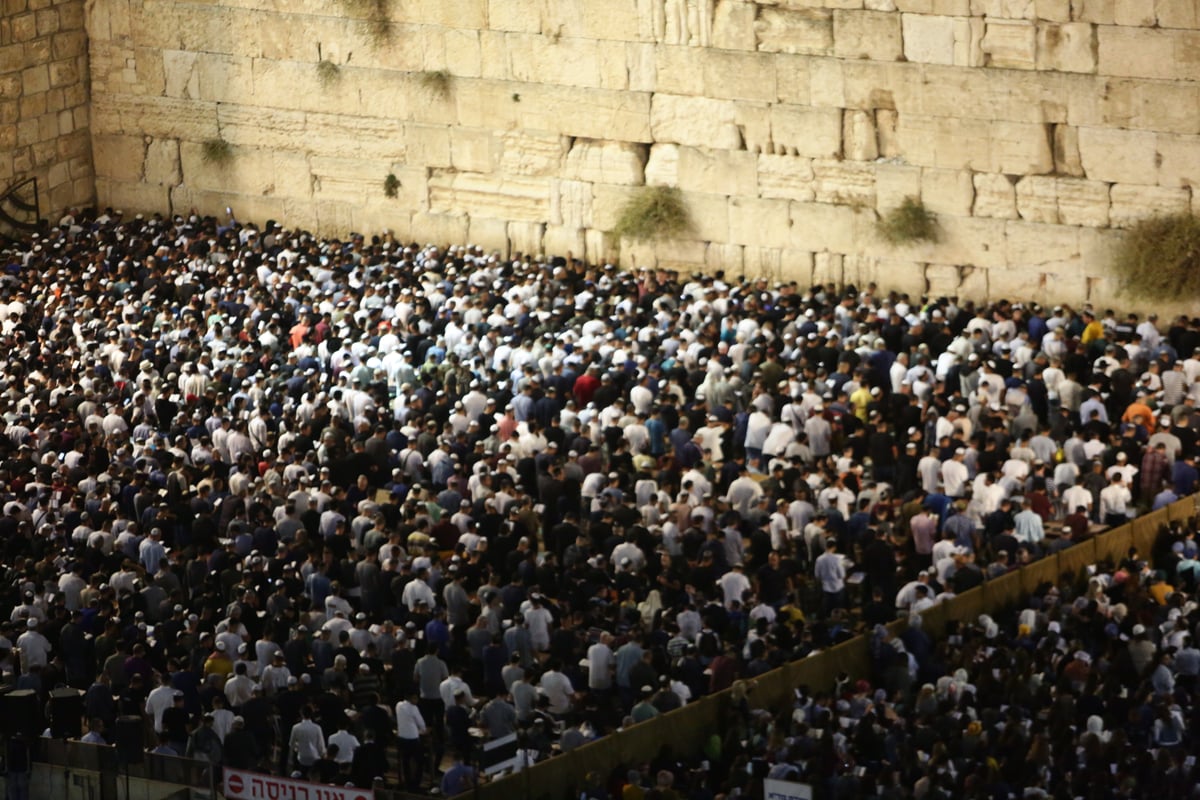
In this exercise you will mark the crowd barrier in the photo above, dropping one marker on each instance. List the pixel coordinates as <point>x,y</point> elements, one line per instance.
<point>686,729</point>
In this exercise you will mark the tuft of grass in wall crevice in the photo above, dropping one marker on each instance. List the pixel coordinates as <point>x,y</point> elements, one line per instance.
<point>436,81</point>
<point>908,223</point>
<point>328,73</point>
<point>216,151</point>
<point>654,212</point>
<point>1158,258</point>
<point>391,186</point>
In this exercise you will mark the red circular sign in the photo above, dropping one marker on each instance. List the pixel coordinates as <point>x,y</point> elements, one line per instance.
<point>234,785</point>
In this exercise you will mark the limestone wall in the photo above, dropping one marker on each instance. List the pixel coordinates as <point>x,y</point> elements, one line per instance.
<point>1033,128</point>
<point>44,101</point>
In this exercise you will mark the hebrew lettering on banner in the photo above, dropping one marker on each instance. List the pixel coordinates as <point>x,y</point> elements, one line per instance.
<point>243,785</point>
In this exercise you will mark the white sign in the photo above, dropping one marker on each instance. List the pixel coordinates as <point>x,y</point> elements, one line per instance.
<point>785,790</point>
<point>243,785</point>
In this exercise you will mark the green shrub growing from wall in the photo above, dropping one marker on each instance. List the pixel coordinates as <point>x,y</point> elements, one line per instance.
<point>654,212</point>
<point>1159,258</point>
<point>908,223</point>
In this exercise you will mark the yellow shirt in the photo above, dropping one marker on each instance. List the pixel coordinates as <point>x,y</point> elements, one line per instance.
<point>1092,332</point>
<point>860,400</point>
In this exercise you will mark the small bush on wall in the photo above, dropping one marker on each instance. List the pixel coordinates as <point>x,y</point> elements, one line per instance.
<point>655,212</point>
<point>908,223</point>
<point>216,151</point>
<point>1159,258</point>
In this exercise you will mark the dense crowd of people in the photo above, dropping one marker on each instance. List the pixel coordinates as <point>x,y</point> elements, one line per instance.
<point>347,509</point>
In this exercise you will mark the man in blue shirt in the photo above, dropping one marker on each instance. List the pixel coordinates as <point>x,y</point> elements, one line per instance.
<point>458,779</point>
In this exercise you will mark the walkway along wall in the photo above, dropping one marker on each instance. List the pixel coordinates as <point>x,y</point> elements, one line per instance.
<point>686,729</point>
<point>1032,128</point>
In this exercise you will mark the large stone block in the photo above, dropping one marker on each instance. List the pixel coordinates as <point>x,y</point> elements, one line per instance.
<point>812,132</point>
<point>538,59</point>
<point>929,39</point>
<point>733,25</point>
<point>844,182</point>
<point>753,121</point>
<point>571,204</point>
<point>1031,244</point>
<point>1133,13</point>
<point>662,168</point>
<point>808,31</point>
<point>1180,160</point>
<point>860,141</point>
<point>566,242</point>
<point>995,196</point>
<point>439,228</point>
<point>1140,53</point>
<point>1007,9</point>
<point>944,142</point>
<point>1066,47</point>
<point>490,234</point>
<point>1167,107</point>
<point>1021,149</point>
<point>1131,202</point>
<point>820,227</point>
<point>1178,14</point>
<point>1118,156</point>
<point>522,16</point>
<point>606,162</point>
<point>727,257</point>
<point>497,197</point>
<point>722,172</point>
<point>162,162</point>
<point>947,191</point>
<point>472,150</point>
<point>1083,202</point>
<point>1037,199</point>
<point>895,182</point>
<point>738,76</point>
<point>785,177</point>
<point>759,222</point>
<point>695,121</point>
<point>532,154</point>
<point>1101,12</point>
<point>118,157</point>
<point>867,34</point>
<point>1010,43</point>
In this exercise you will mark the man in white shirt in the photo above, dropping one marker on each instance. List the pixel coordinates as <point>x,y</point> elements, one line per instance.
<point>830,570</point>
<point>159,700</point>
<point>955,474</point>
<point>306,742</point>
<point>410,727</point>
<point>1114,502</point>
<point>345,742</point>
<point>601,663</point>
<point>557,687</point>
<point>734,584</point>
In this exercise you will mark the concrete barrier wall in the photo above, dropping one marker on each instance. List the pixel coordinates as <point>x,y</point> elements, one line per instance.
<point>1034,130</point>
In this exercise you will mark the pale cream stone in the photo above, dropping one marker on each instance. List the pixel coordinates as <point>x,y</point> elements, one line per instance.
<point>571,204</point>
<point>1141,53</point>
<point>532,154</point>
<point>526,237</point>
<point>812,132</point>
<point>696,121</point>
<point>1083,202</point>
<point>1178,14</point>
<point>1131,202</point>
<point>1007,9</point>
<point>1037,199</point>
<point>524,16</point>
<point>844,182</point>
<point>1135,13</point>
<point>162,162</point>
<point>753,121</point>
<point>824,226</point>
<point>785,177</point>
<point>1010,44</point>
<point>1031,244</point>
<point>738,76</point>
<point>733,25</point>
<point>928,39</point>
<point>860,142</point>
<point>605,162</point>
<point>995,196</point>
<point>895,182</point>
<point>758,222</point>
<point>827,268</point>
<point>1053,10</point>
<point>1180,160</point>
<point>440,228</point>
<point>662,168</point>
<point>120,158</point>
<point>506,197</point>
<point>947,191</point>
<point>566,242</point>
<point>490,234</point>
<point>1118,156</point>
<point>722,172</point>
<point>1020,148</point>
<point>724,257</point>
<point>792,78</point>
<point>1066,151</point>
<point>808,31</point>
<point>1066,47</point>
<point>607,204</point>
<point>472,150</point>
<point>867,34</point>
<point>827,83</point>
